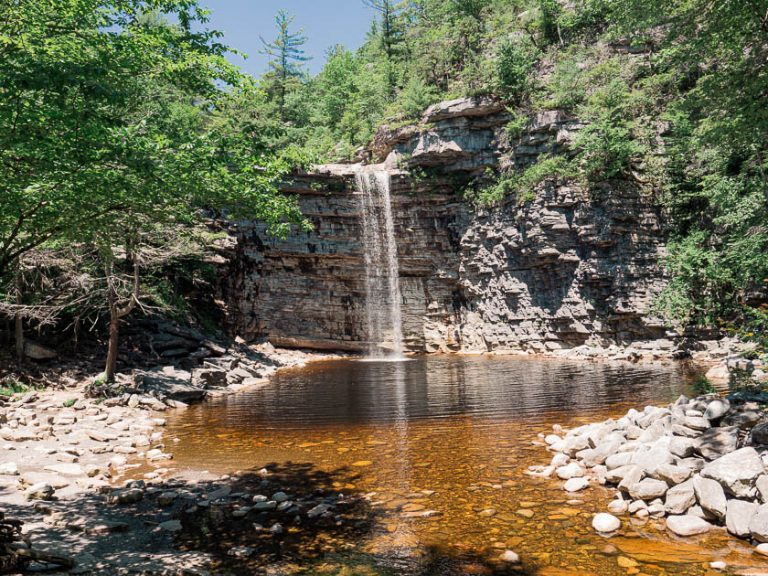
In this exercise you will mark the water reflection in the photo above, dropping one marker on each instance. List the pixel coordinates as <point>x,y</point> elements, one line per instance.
<point>348,391</point>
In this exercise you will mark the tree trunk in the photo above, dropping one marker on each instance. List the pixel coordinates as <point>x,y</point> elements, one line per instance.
<point>19,322</point>
<point>117,312</point>
<point>114,337</point>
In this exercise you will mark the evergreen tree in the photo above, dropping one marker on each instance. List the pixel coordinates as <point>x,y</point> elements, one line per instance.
<point>286,55</point>
<point>391,35</point>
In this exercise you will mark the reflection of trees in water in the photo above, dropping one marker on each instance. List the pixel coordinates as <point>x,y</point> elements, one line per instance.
<point>366,392</point>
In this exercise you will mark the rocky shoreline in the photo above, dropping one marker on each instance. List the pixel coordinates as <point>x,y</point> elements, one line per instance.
<point>696,465</point>
<point>63,455</point>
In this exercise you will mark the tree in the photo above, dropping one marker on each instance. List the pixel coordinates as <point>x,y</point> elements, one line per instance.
<point>110,125</point>
<point>286,56</point>
<point>391,34</point>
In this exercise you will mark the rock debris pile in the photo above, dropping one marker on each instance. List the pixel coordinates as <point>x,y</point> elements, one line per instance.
<point>698,463</point>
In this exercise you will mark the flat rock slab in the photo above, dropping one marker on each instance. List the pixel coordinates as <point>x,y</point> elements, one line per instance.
<point>66,469</point>
<point>736,472</point>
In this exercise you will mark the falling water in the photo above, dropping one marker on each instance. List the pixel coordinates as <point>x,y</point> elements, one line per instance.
<point>382,274</point>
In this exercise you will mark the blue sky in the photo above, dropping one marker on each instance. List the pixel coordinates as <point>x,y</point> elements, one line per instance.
<point>325,22</point>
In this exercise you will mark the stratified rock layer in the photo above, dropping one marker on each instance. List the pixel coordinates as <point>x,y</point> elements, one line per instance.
<point>562,270</point>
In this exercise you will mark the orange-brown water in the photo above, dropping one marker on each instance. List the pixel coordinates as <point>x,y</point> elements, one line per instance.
<point>440,445</point>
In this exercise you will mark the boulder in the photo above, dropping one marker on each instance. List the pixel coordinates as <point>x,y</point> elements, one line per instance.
<point>688,525</point>
<point>736,472</point>
<point>762,488</point>
<point>462,107</point>
<point>717,409</point>
<point>758,525</point>
<point>633,475</point>
<point>648,489</point>
<point>738,517</point>
<point>672,474</point>
<point>682,447</point>
<point>717,442</point>
<point>680,498</point>
<point>711,496</point>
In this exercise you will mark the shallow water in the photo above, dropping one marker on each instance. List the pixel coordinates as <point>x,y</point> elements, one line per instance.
<point>453,435</point>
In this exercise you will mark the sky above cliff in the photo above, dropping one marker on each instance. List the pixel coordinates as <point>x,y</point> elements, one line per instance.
<point>325,23</point>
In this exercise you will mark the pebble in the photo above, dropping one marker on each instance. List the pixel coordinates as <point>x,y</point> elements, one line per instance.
<point>510,557</point>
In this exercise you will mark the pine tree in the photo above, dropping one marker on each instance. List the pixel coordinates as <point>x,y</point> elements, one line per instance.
<point>391,35</point>
<point>286,55</point>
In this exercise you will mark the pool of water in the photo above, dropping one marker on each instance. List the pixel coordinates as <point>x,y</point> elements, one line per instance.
<point>453,435</point>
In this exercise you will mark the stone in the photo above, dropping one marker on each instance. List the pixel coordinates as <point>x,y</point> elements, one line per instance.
<point>762,487</point>
<point>576,484</point>
<point>167,498</point>
<point>760,434</point>
<point>572,470</point>
<point>717,442</point>
<point>170,526</point>
<point>682,447</point>
<point>672,474</point>
<point>688,525</point>
<point>605,523</point>
<point>616,475</point>
<point>717,409</point>
<point>648,489</point>
<point>762,549</point>
<point>736,472</point>
<point>40,491</point>
<point>738,516</point>
<point>758,525</point>
<point>510,557</point>
<point>618,460</point>
<point>9,469</point>
<point>711,496</point>
<point>680,498</point>
<point>126,496</point>
<point>631,477</point>
<point>618,506</point>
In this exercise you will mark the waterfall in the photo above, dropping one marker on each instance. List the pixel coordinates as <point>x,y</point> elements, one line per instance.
<point>382,272</point>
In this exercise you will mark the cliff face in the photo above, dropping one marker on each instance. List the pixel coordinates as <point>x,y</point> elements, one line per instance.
<point>557,272</point>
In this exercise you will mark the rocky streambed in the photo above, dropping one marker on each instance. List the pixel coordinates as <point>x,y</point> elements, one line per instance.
<point>696,465</point>
<point>92,479</point>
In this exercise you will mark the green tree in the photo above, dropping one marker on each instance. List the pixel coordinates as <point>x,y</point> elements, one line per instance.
<point>110,124</point>
<point>390,34</point>
<point>286,55</point>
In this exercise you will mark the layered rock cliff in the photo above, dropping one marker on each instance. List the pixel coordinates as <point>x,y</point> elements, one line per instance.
<point>559,271</point>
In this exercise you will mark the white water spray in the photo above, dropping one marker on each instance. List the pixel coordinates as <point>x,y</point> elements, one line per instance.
<point>382,272</point>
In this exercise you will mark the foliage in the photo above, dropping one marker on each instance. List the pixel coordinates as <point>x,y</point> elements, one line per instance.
<point>286,55</point>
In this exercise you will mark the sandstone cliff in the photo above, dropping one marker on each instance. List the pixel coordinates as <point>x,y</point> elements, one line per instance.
<point>560,271</point>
